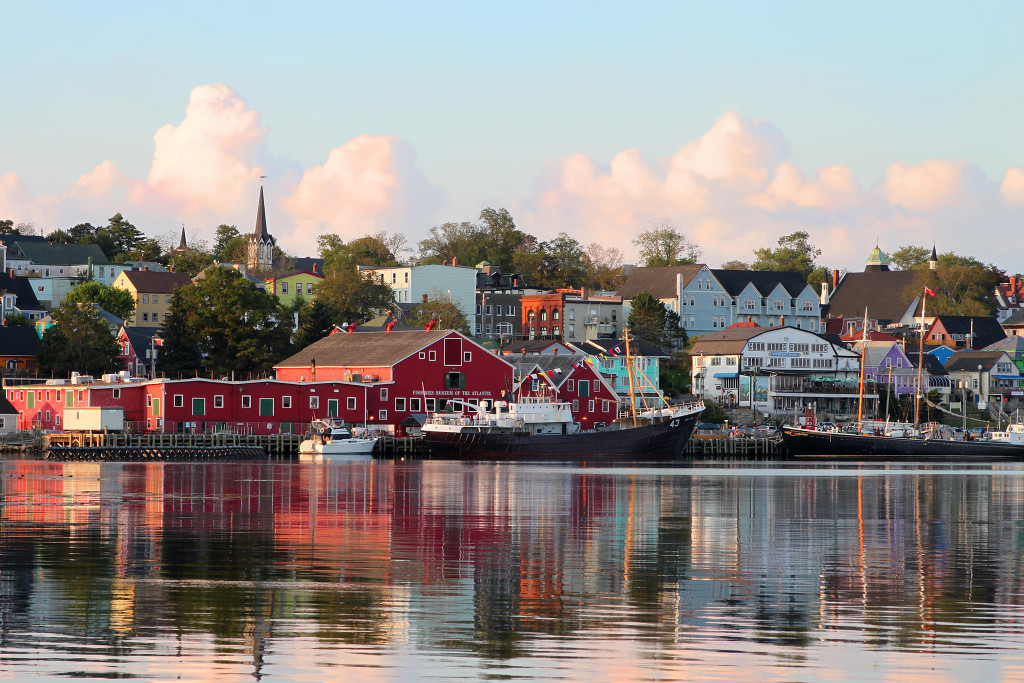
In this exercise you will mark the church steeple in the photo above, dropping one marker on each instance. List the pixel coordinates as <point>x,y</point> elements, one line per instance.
<point>933,262</point>
<point>876,261</point>
<point>182,245</point>
<point>261,243</point>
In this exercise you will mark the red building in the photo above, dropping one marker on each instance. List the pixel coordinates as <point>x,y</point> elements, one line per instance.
<point>542,315</point>
<point>572,380</point>
<point>408,372</point>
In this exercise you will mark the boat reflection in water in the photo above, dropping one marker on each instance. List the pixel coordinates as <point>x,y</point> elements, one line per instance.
<point>442,570</point>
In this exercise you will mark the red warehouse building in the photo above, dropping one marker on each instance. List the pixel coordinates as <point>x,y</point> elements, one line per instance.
<point>408,372</point>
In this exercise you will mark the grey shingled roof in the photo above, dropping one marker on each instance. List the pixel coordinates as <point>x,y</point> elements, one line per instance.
<point>970,360</point>
<point>729,341</point>
<point>363,349</point>
<point>986,330</point>
<point>658,281</point>
<point>18,340</point>
<point>734,281</point>
<point>887,295</point>
<point>22,288</point>
<point>46,254</point>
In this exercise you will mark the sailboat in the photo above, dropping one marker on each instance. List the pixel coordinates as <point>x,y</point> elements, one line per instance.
<point>804,443</point>
<point>541,427</point>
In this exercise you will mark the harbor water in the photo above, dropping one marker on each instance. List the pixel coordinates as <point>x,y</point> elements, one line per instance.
<point>442,570</point>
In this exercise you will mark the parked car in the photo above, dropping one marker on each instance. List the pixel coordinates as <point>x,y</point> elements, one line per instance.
<point>767,430</point>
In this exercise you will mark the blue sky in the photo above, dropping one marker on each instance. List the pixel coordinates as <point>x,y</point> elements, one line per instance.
<point>482,104</point>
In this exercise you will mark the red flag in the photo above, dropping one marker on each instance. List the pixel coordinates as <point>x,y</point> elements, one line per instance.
<point>929,291</point>
<point>351,328</point>
<point>158,341</point>
<point>429,326</point>
<point>387,328</point>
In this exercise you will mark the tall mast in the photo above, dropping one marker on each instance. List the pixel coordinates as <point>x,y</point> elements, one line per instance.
<point>632,377</point>
<point>863,358</point>
<point>920,364</point>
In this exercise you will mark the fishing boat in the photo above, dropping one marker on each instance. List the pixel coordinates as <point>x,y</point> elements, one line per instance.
<point>331,439</point>
<point>804,443</point>
<point>542,427</point>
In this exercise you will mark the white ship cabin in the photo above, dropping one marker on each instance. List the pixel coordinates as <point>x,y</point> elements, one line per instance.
<point>535,414</point>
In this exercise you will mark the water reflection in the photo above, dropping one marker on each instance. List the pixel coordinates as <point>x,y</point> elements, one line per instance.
<point>436,569</point>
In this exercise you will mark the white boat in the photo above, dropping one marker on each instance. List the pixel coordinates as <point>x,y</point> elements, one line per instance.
<point>331,440</point>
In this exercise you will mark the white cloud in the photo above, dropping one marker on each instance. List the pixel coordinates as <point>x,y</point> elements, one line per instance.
<point>370,183</point>
<point>1012,187</point>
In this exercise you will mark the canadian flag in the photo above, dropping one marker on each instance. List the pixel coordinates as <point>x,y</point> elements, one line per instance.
<point>929,291</point>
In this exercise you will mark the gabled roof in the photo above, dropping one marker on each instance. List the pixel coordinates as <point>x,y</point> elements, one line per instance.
<point>140,337</point>
<point>536,346</point>
<point>558,368</point>
<point>968,361</point>
<point>22,288</point>
<point>159,283</point>
<point>884,293</point>
<point>729,341</point>
<point>735,281</point>
<point>1012,344</point>
<point>295,272</point>
<point>6,407</point>
<point>1015,319</point>
<point>366,349</point>
<point>658,281</point>
<point>46,254</point>
<point>310,263</point>
<point>18,340</point>
<point>986,330</point>
<point>10,240</point>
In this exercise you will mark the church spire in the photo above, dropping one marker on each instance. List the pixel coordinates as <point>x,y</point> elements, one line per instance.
<point>260,255</point>
<point>182,245</point>
<point>261,220</point>
<point>933,262</point>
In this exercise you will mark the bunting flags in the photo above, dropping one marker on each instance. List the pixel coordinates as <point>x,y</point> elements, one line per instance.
<point>617,350</point>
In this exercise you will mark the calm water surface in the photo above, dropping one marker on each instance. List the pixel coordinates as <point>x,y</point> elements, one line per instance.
<point>461,571</point>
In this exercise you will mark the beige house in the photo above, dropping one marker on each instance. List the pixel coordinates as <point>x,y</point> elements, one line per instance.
<point>152,293</point>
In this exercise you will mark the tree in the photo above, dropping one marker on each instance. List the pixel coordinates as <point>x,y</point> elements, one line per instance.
<point>231,325</point>
<point>236,249</point>
<point>963,286</point>
<point>565,262</point>
<point>118,236</point>
<point>79,341</point>
<point>794,254</point>
<point>192,261</point>
<point>664,245</point>
<point>224,234</point>
<point>111,299</point>
<point>464,241</point>
<point>504,239</point>
<point>440,308</point>
<point>316,320</point>
<point>649,320</point>
<point>7,227</point>
<point>910,258</point>
<point>373,250</point>
<point>16,320</point>
<point>735,265</point>
<point>603,266</point>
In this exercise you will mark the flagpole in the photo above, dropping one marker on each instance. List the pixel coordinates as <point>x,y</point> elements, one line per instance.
<point>863,359</point>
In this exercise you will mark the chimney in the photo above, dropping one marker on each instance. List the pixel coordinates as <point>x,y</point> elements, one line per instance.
<point>1013,289</point>
<point>835,279</point>
<point>748,319</point>
<point>145,268</point>
<point>782,321</point>
<point>424,298</point>
<point>583,292</point>
<point>445,263</point>
<point>314,268</point>
<point>455,261</point>
<point>170,269</point>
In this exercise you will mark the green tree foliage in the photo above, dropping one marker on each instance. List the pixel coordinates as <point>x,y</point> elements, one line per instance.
<point>146,250</point>
<point>223,235</point>
<point>191,261</point>
<point>503,239</point>
<point>379,249</point>
<point>79,341</point>
<point>355,295</point>
<point>963,286</point>
<point>603,266</point>
<point>7,227</point>
<point>464,241</point>
<point>735,265</point>
<point>440,308</point>
<point>794,253</point>
<point>316,320</point>
<point>909,258</point>
<point>111,299</point>
<point>16,320</point>
<point>118,236</point>
<point>234,250</point>
<point>664,245</point>
<point>228,322</point>
<point>649,320</point>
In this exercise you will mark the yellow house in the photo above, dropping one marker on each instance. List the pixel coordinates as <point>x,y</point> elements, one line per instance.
<point>292,285</point>
<point>152,293</point>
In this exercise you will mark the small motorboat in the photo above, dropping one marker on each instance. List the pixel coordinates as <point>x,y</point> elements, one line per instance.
<point>331,439</point>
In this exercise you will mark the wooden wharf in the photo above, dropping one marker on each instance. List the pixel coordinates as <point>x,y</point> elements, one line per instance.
<point>275,445</point>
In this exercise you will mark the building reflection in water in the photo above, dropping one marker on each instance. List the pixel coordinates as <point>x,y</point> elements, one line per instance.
<point>495,560</point>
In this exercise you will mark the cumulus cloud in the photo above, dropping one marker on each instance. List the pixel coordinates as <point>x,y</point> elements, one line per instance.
<point>734,189</point>
<point>367,184</point>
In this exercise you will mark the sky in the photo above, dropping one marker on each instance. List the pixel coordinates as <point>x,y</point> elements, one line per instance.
<point>736,123</point>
